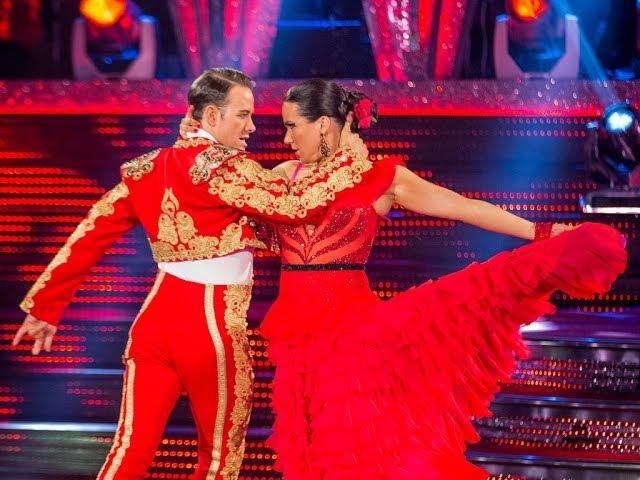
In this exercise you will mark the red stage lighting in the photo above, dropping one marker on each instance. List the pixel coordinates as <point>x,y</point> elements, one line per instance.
<point>5,19</point>
<point>103,13</point>
<point>527,10</point>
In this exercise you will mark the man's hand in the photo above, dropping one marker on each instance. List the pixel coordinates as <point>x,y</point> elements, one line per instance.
<point>188,124</point>
<point>352,140</point>
<point>42,332</point>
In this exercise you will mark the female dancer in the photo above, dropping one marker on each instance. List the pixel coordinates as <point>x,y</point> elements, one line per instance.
<point>378,390</point>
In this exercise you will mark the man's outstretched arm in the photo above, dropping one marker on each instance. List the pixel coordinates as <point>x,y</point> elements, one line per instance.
<point>109,218</point>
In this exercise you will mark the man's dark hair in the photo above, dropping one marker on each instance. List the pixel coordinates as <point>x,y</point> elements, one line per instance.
<point>212,88</point>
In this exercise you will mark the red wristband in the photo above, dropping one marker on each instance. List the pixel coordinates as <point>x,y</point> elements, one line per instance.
<point>542,230</point>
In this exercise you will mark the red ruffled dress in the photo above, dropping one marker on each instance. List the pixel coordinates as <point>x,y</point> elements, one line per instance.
<point>367,389</point>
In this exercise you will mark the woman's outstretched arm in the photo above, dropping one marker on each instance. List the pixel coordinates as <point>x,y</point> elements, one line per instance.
<point>421,196</point>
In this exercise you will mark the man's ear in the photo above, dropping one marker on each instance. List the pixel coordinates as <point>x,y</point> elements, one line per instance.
<point>211,115</point>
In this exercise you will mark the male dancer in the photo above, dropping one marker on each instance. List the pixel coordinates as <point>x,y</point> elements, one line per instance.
<point>193,200</point>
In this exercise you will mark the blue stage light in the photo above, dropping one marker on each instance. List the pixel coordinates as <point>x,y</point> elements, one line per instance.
<point>612,158</point>
<point>619,118</point>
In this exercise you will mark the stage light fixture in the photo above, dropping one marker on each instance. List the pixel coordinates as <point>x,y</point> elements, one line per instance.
<point>534,41</point>
<point>619,118</point>
<point>103,13</point>
<point>612,158</point>
<point>527,10</point>
<point>113,39</point>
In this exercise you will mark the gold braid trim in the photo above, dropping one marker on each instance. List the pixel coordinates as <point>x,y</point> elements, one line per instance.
<point>103,207</point>
<point>207,160</point>
<point>336,163</point>
<point>221,366</point>
<point>147,301</point>
<point>240,181</point>
<point>126,422</point>
<point>192,142</point>
<point>236,299</point>
<point>235,167</point>
<point>139,166</point>
<point>178,238</point>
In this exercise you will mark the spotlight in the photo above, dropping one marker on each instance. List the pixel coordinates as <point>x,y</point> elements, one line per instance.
<point>533,41</point>
<point>612,158</point>
<point>527,10</point>
<point>619,118</point>
<point>103,13</point>
<point>113,39</point>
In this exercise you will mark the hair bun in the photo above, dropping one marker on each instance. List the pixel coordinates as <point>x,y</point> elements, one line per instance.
<point>365,110</point>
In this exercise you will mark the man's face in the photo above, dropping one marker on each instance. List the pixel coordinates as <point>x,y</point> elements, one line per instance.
<point>232,125</point>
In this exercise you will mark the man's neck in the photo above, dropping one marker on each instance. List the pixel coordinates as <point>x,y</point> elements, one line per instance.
<point>200,133</point>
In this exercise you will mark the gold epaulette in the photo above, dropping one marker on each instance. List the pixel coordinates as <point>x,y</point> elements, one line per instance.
<point>139,166</point>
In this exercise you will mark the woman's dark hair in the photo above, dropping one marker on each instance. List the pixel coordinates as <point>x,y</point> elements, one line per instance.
<point>318,97</point>
<point>212,88</point>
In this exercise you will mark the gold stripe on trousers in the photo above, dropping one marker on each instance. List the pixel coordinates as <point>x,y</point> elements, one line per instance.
<point>129,394</point>
<point>237,298</point>
<point>221,362</point>
<point>121,442</point>
<point>145,305</point>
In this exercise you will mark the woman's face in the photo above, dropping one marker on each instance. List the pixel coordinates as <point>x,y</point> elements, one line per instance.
<point>301,135</point>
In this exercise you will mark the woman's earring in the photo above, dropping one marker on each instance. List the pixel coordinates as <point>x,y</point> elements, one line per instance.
<point>324,147</point>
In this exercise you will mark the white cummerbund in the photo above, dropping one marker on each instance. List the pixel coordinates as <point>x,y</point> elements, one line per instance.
<point>233,269</point>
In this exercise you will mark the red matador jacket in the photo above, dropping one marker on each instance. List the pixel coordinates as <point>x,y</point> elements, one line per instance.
<point>194,200</point>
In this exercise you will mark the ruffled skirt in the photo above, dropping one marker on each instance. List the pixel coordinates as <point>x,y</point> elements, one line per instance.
<point>379,390</point>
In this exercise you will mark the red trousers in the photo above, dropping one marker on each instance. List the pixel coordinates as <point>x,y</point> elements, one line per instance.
<point>192,337</point>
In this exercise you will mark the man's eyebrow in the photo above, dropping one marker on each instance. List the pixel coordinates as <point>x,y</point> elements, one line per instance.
<point>245,111</point>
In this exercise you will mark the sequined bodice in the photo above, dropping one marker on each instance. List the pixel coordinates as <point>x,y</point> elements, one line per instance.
<point>344,235</point>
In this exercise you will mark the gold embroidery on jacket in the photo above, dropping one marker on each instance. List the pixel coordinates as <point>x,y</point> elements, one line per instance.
<point>242,181</point>
<point>139,166</point>
<point>207,160</point>
<point>251,171</point>
<point>103,207</point>
<point>178,237</point>
<point>236,298</point>
<point>237,169</point>
<point>339,174</point>
<point>192,142</point>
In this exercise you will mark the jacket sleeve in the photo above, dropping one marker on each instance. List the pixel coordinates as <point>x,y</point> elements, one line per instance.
<point>244,184</point>
<point>108,220</point>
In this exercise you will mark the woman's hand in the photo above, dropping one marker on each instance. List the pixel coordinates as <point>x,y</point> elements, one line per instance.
<point>558,228</point>
<point>188,124</point>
